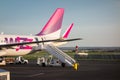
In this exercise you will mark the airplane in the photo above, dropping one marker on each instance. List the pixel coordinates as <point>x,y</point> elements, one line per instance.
<point>48,37</point>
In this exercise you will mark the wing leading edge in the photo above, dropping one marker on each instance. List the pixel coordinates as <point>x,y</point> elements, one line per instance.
<point>35,42</point>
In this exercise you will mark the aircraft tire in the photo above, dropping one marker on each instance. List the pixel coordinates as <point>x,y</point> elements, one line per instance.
<point>43,65</point>
<point>63,64</point>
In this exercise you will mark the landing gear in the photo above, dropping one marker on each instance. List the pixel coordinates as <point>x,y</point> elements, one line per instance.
<point>43,65</point>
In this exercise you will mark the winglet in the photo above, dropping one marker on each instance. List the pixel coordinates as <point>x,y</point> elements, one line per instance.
<point>65,35</point>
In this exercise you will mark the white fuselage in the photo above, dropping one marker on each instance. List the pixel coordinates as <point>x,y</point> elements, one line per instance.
<point>24,49</point>
<point>20,49</point>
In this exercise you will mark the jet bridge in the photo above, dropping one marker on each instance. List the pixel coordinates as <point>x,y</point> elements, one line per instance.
<point>63,57</point>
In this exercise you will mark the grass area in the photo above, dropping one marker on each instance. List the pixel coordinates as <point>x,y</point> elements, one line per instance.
<point>103,53</point>
<point>43,53</point>
<point>99,60</point>
<point>70,53</point>
<point>34,56</point>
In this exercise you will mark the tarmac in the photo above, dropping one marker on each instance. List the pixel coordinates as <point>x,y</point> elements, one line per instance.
<point>88,70</point>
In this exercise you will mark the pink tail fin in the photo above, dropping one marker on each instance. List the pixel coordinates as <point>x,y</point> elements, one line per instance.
<point>65,35</point>
<point>54,24</point>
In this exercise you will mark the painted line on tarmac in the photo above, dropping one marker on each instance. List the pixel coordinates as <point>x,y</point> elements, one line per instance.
<point>36,74</point>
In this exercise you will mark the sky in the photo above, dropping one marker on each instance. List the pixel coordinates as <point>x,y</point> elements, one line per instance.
<point>97,22</point>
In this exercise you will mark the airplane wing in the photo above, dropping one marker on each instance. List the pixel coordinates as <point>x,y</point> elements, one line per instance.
<point>35,42</point>
<point>63,57</point>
